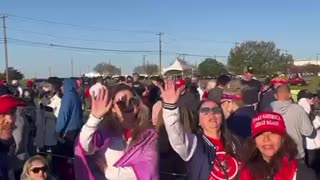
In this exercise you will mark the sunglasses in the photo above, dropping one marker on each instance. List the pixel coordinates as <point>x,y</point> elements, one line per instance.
<point>127,106</point>
<point>38,169</point>
<point>207,110</point>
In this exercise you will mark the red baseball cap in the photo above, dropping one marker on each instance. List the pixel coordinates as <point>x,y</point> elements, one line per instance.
<point>180,82</point>
<point>8,102</point>
<point>29,83</point>
<point>279,80</point>
<point>231,96</point>
<point>267,121</point>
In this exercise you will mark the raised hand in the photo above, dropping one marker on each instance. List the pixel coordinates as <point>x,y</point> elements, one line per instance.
<point>100,103</point>
<point>170,94</point>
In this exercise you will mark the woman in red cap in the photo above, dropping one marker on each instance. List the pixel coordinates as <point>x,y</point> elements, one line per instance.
<point>8,106</point>
<point>270,153</point>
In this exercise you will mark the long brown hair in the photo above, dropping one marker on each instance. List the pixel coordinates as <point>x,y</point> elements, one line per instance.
<point>185,119</point>
<point>254,161</point>
<point>142,117</point>
<point>230,142</point>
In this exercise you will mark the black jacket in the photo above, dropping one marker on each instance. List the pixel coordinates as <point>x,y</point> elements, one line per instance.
<point>305,173</point>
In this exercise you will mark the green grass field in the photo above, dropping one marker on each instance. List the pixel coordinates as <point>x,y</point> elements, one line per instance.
<point>312,83</point>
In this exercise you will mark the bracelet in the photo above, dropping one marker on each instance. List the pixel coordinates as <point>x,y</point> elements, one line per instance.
<point>169,106</point>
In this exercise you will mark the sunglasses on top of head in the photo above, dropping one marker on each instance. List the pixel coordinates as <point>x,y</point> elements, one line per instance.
<point>207,110</point>
<point>38,169</point>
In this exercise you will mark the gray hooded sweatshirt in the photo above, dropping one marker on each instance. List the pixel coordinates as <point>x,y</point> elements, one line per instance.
<point>297,122</point>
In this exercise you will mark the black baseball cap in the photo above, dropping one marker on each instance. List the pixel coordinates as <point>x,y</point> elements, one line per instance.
<point>305,94</point>
<point>249,69</point>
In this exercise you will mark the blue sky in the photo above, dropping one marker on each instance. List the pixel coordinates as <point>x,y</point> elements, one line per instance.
<point>195,27</point>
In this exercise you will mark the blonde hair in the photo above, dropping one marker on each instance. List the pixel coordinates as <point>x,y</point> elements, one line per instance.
<point>27,166</point>
<point>235,87</point>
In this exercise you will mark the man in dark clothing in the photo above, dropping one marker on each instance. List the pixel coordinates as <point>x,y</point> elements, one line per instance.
<point>28,96</point>
<point>8,106</point>
<point>216,93</point>
<point>154,91</point>
<point>252,85</point>
<point>188,99</point>
<point>268,95</point>
<point>138,86</point>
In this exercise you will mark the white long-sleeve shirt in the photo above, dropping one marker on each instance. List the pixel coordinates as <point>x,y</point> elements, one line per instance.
<point>55,103</point>
<point>311,143</point>
<point>182,142</point>
<point>113,153</point>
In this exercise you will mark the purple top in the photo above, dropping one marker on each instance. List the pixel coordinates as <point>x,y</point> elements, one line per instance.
<point>142,156</point>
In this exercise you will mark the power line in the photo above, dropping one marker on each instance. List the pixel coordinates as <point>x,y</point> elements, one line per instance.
<point>90,49</point>
<point>28,42</point>
<point>77,39</point>
<point>81,26</point>
<point>99,49</point>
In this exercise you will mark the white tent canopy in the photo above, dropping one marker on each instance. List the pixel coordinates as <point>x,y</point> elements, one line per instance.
<point>177,66</point>
<point>92,74</point>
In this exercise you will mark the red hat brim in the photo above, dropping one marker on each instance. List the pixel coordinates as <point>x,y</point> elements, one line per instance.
<point>7,102</point>
<point>266,128</point>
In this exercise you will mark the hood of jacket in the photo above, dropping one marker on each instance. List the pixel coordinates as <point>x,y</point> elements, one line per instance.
<point>69,85</point>
<point>303,102</point>
<point>281,106</point>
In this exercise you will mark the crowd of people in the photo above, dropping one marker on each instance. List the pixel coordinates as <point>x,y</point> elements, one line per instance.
<point>171,129</point>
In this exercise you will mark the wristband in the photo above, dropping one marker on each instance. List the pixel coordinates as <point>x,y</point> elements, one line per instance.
<point>169,106</point>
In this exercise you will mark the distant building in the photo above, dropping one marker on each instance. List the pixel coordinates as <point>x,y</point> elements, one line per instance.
<point>305,62</point>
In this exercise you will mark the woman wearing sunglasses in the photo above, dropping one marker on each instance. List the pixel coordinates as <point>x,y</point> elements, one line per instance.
<point>211,151</point>
<point>35,168</point>
<point>116,142</point>
<point>270,153</point>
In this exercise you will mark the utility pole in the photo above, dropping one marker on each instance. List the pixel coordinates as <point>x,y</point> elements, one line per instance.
<point>71,66</point>
<point>144,63</point>
<point>317,67</point>
<point>160,51</point>
<point>5,47</point>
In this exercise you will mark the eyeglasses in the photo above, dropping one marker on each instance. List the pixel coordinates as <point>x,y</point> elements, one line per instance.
<point>36,170</point>
<point>207,110</point>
